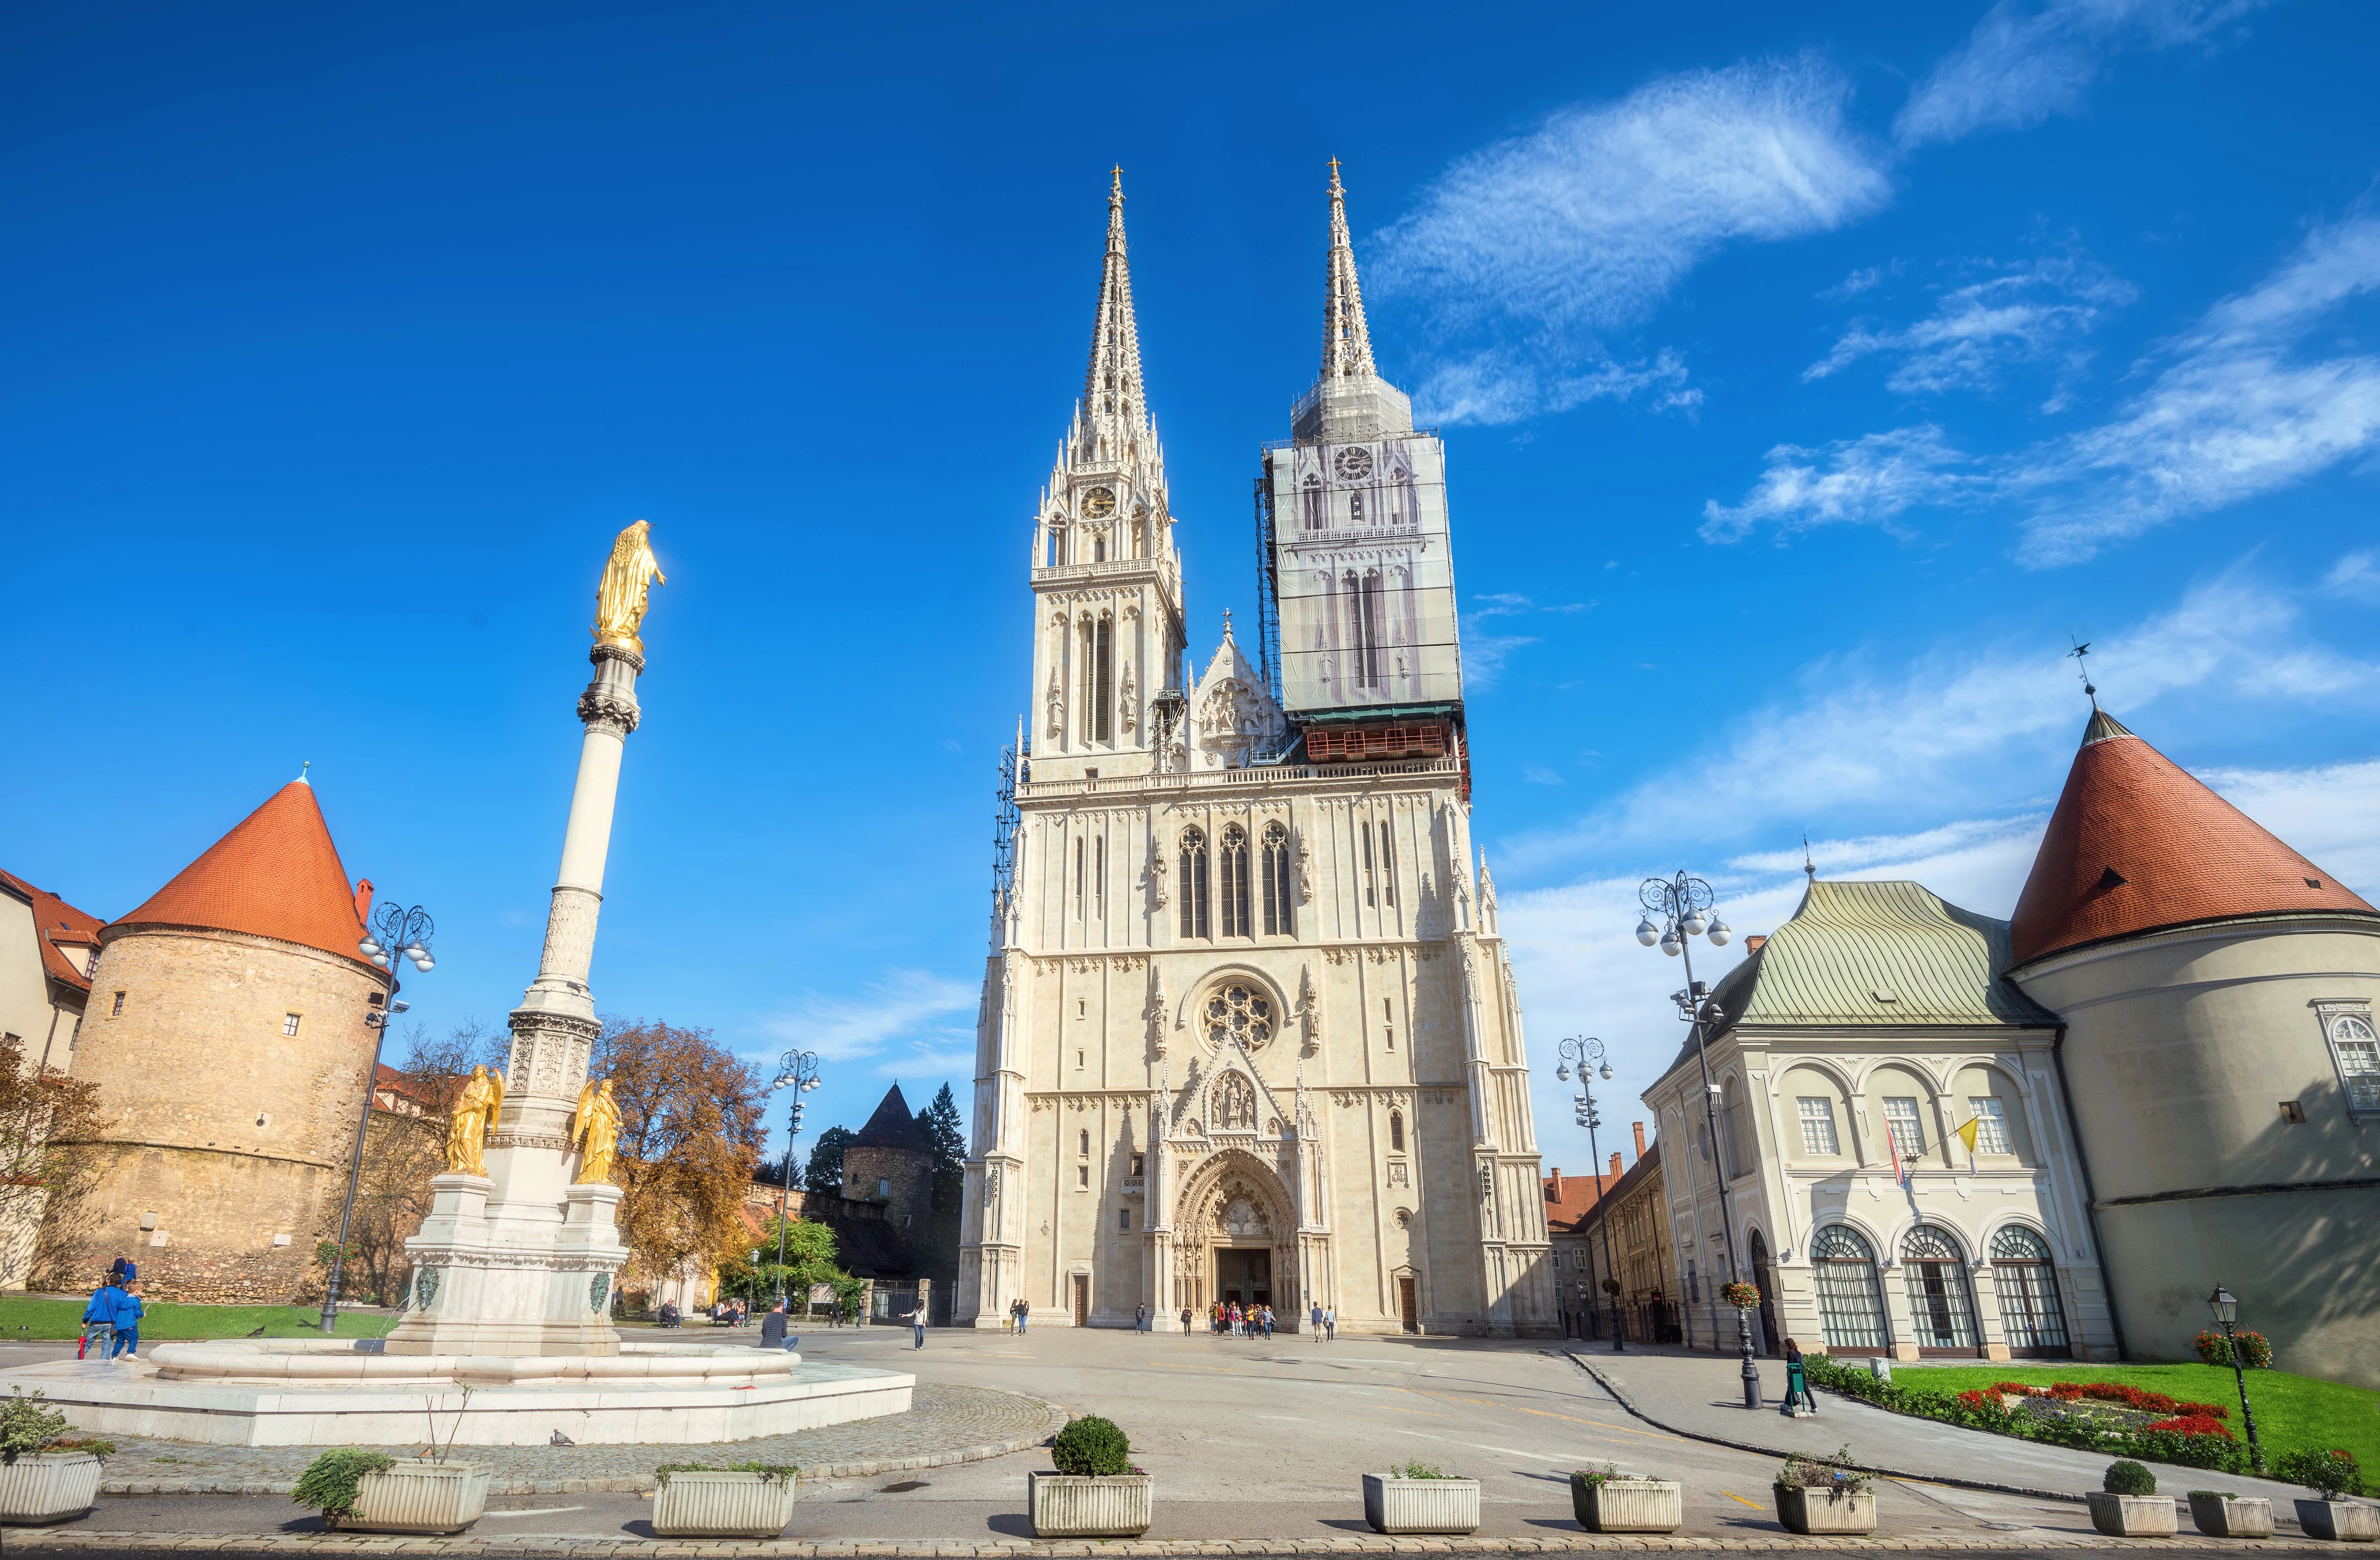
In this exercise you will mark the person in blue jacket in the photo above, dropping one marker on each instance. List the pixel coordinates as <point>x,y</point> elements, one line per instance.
<point>129,1313</point>
<point>99,1319</point>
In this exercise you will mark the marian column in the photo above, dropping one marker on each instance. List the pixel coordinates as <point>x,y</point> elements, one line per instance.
<point>519,1252</point>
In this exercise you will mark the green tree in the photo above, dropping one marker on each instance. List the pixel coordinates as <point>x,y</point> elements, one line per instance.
<point>939,1122</point>
<point>823,1174</point>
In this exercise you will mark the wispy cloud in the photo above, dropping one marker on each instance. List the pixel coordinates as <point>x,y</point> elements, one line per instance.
<point>908,1006</point>
<point>2231,412</point>
<point>1868,480</point>
<point>1522,255</point>
<point>2030,312</point>
<point>2023,63</point>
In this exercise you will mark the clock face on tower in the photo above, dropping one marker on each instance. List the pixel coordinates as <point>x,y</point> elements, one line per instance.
<point>1098,503</point>
<point>1354,464</point>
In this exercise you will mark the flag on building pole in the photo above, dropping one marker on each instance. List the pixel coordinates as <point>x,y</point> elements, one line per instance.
<point>1892,1140</point>
<point>1967,1135</point>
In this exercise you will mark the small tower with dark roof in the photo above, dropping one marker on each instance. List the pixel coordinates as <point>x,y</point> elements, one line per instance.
<point>2217,990</point>
<point>890,1163</point>
<point>225,1031</point>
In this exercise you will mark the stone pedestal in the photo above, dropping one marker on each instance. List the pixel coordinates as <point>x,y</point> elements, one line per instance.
<point>493,1277</point>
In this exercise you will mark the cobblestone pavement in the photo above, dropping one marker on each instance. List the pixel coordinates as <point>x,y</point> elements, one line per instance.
<point>946,1424</point>
<point>635,1549</point>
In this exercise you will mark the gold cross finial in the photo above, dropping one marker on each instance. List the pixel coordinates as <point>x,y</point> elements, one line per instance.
<point>1335,173</point>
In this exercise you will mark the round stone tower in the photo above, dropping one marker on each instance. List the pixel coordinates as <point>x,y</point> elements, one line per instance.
<point>227,1035</point>
<point>2217,991</point>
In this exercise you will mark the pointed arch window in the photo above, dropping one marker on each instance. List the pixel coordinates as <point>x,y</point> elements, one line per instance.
<point>1193,884</point>
<point>1098,679</point>
<point>1396,1132</point>
<point>1280,905</point>
<point>1057,543</point>
<point>1235,874</point>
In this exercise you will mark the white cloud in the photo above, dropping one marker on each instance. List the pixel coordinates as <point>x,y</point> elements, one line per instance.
<point>904,1005</point>
<point>2028,314</point>
<point>2023,65</point>
<point>1522,253</point>
<point>2329,814</point>
<point>2356,574</point>
<point>1867,481</point>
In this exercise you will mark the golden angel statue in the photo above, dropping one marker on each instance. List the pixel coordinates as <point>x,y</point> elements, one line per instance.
<point>473,1119</point>
<point>595,1132</point>
<point>627,578</point>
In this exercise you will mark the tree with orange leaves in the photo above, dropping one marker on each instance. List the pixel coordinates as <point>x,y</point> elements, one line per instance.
<point>690,1134</point>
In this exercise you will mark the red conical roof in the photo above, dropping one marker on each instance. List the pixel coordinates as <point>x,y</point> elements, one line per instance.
<point>2138,845</point>
<point>276,874</point>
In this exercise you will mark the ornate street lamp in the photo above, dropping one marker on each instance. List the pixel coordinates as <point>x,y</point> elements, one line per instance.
<point>2226,1307</point>
<point>796,1070</point>
<point>1683,904</point>
<point>396,933</point>
<point>1586,1055</point>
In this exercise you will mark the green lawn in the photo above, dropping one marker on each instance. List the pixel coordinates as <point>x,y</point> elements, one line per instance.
<point>2291,1412</point>
<point>23,1316</point>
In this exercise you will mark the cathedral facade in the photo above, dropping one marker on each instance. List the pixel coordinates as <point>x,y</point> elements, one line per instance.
<point>1248,1031</point>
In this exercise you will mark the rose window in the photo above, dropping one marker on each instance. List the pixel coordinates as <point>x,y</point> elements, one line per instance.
<point>1239,1013</point>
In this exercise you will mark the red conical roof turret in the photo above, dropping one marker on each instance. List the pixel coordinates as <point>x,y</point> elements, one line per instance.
<point>2138,845</point>
<point>276,874</point>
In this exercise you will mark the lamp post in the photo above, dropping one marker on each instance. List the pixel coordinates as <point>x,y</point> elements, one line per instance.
<point>796,1070</point>
<point>394,935</point>
<point>1585,1053</point>
<point>1684,904</point>
<point>2226,1307</point>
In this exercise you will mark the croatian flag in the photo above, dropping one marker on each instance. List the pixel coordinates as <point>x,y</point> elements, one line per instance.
<point>1900,1170</point>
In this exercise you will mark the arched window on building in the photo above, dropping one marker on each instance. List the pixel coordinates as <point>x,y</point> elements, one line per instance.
<point>1939,1303</point>
<point>1234,864</point>
<point>1057,553</point>
<point>1279,904</point>
<point>1193,884</point>
<point>1396,1132</point>
<point>2031,1316</point>
<point>1850,1302</point>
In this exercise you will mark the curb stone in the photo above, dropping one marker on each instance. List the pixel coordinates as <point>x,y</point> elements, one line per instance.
<point>1629,1403</point>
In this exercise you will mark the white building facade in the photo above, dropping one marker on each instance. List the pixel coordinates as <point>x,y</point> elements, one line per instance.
<point>1248,1031</point>
<point>1849,1059</point>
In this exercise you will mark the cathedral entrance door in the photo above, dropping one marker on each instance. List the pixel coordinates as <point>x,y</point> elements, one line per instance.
<point>1409,1304</point>
<point>1245,1274</point>
<point>1082,1300</point>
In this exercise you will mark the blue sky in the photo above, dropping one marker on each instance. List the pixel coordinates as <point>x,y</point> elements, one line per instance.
<point>1809,376</point>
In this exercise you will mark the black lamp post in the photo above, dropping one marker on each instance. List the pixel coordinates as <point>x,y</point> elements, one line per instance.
<point>398,933</point>
<point>1684,902</point>
<point>2226,1307</point>
<point>796,1070</point>
<point>1586,1055</point>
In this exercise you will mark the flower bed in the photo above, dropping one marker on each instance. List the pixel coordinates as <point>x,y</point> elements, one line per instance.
<point>2092,1416</point>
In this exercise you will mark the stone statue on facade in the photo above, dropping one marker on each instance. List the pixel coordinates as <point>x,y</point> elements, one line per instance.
<point>595,1132</point>
<point>620,599</point>
<point>474,1116</point>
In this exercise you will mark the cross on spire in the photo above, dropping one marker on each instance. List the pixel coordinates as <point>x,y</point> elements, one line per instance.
<point>1346,340</point>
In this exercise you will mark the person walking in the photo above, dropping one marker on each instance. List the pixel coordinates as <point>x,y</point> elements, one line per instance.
<point>122,1270</point>
<point>129,1313</point>
<point>1331,1323</point>
<point>773,1326</point>
<point>1314,1321</point>
<point>1268,1323</point>
<point>99,1319</point>
<point>1022,1312</point>
<point>1140,1319</point>
<point>1798,1398</point>
<point>1185,1321</point>
<point>916,1319</point>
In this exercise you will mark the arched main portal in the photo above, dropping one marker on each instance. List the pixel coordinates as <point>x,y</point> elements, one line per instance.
<point>1236,1237</point>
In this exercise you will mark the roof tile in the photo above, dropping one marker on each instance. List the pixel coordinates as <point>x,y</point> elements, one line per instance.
<point>276,874</point>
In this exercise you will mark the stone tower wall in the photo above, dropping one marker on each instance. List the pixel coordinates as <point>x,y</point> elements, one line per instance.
<point>910,1207</point>
<point>234,1136</point>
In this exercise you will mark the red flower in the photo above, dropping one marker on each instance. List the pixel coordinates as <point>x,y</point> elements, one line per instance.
<point>2194,1424</point>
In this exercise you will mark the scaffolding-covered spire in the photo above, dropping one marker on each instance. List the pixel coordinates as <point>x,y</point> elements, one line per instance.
<point>1346,342</point>
<point>1114,410</point>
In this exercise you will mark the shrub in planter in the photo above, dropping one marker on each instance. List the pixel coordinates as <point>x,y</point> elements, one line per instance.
<point>45,1476</point>
<point>741,1500</point>
<point>1421,1498</point>
<point>1094,1489</point>
<point>373,1492</point>
<point>2256,1350</point>
<point>1817,1496</point>
<point>330,1481</point>
<point>1607,1501</point>
<point>2330,1475</point>
<point>2128,1479</point>
<point>2127,1506</point>
<point>2220,1514</point>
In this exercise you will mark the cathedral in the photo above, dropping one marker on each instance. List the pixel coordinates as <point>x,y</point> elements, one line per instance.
<point>1248,1031</point>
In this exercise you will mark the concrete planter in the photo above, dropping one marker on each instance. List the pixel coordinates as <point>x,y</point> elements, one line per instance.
<point>2132,1517</point>
<point>2227,1517</point>
<point>1816,1512</point>
<point>1082,1506</point>
<point>1628,1505</point>
<point>1421,1506</point>
<point>417,1496</point>
<point>48,1486</point>
<point>723,1506</point>
<point>2347,1521</point>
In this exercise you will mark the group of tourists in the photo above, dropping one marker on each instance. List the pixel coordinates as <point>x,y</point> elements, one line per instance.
<point>111,1322</point>
<point>1231,1319</point>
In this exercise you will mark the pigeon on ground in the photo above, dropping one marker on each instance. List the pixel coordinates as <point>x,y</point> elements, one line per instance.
<point>258,1334</point>
<point>561,1440</point>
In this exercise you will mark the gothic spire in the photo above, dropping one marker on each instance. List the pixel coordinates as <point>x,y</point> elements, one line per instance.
<point>1114,409</point>
<point>1346,342</point>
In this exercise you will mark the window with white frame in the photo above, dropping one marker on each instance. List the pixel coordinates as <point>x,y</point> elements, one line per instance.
<point>1908,1126</point>
<point>1991,1124</point>
<point>290,1023</point>
<point>1818,1126</point>
<point>2355,1049</point>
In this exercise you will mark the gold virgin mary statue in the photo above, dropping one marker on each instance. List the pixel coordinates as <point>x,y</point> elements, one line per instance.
<point>627,578</point>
